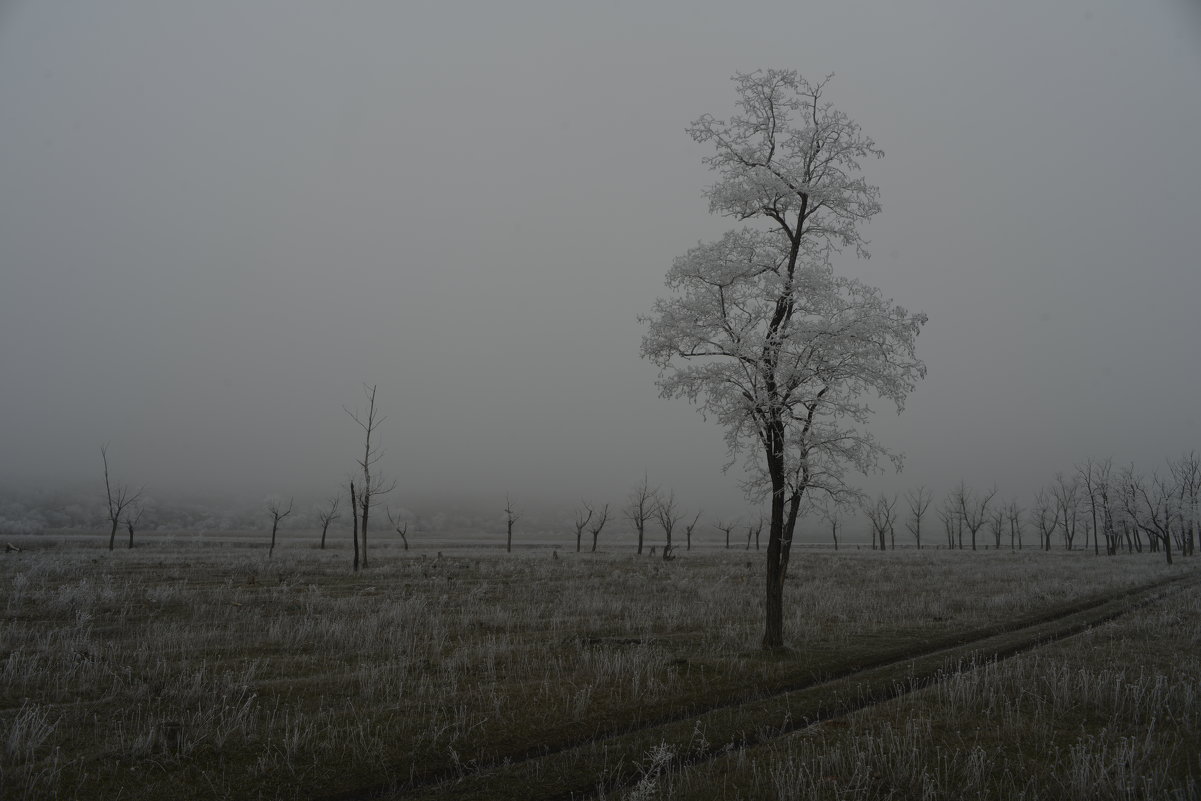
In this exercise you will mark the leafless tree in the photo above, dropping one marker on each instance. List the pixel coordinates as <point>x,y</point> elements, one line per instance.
<point>948,515</point>
<point>1087,474</point>
<point>1014,512</point>
<point>973,509</point>
<point>1186,472</point>
<point>401,526</point>
<point>878,512</point>
<point>640,508</point>
<point>1104,493</point>
<point>278,513</point>
<point>595,528</point>
<point>669,517</point>
<point>753,531</point>
<point>511,517</point>
<point>996,524</point>
<point>1045,518</point>
<point>1066,494</point>
<point>328,515</point>
<point>830,510</point>
<point>131,520</point>
<point>919,501</point>
<point>1152,507</point>
<point>119,499</point>
<point>688,531</point>
<point>725,527</point>
<point>373,485</point>
<point>581,521</point>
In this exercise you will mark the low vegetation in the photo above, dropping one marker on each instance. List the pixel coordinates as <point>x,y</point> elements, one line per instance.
<point>134,674</point>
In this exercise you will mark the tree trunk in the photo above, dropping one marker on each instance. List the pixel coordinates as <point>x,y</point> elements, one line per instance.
<point>366,509</point>
<point>354,510</point>
<point>509,541</point>
<point>773,632</point>
<point>112,536</point>
<point>324,528</point>
<point>641,532</point>
<point>274,527</point>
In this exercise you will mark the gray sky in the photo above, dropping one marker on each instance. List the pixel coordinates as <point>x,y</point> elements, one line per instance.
<point>218,219</point>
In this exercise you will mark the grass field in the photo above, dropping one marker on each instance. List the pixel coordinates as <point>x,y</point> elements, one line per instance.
<point>192,668</point>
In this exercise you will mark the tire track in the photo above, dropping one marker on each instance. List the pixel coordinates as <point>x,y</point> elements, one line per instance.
<point>609,760</point>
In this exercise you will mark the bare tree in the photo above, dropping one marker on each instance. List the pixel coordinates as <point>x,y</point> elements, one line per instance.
<point>581,522</point>
<point>973,509</point>
<point>1014,512</point>
<point>919,501</point>
<point>753,531</point>
<point>640,508</point>
<point>688,531</point>
<point>948,515</point>
<point>1087,473</point>
<point>1104,493</point>
<point>373,485</point>
<point>328,515</point>
<point>401,526</point>
<point>725,527</point>
<point>1045,518</point>
<point>278,513</point>
<point>760,332</point>
<point>1151,507</point>
<point>878,513</point>
<point>131,520</point>
<point>595,528</point>
<point>829,510</point>
<point>1066,494</point>
<point>1186,472</point>
<point>669,517</point>
<point>511,517</point>
<point>996,524</point>
<point>119,499</point>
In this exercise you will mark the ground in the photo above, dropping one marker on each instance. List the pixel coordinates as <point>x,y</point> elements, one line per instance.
<point>195,667</point>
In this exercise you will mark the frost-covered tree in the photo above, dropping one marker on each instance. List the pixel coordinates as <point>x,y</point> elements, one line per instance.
<point>760,332</point>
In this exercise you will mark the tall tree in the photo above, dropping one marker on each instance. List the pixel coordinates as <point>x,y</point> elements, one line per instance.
<point>760,332</point>
<point>119,499</point>
<point>373,484</point>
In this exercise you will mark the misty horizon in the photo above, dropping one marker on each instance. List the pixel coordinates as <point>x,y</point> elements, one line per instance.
<point>219,222</point>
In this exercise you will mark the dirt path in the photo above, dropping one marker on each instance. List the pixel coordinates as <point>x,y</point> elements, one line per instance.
<point>611,759</point>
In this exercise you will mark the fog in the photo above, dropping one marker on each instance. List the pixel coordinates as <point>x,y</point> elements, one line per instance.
<point>219,220</point>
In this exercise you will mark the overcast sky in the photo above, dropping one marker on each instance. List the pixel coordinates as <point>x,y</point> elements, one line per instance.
<point>218,219</point>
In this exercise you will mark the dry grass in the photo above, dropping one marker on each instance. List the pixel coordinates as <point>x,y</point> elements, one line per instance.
<point>134,674</point>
